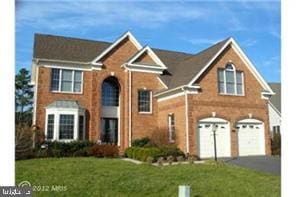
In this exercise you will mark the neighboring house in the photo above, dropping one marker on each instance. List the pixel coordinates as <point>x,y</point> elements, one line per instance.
<point>121,91</point>
<point>274,108</point>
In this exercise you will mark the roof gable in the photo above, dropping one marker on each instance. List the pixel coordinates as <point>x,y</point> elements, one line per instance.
<point>127,35</point>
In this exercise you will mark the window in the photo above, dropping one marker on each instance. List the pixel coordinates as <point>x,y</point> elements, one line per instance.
<point>64,80</point>
<point>230,81</point>
<point>110,92</point>
<point>144,101</point>
<point>55,77</point>
<point>172,132</point>
<point>66,127</point>
<point>50,126</point>
<point>81,127</point>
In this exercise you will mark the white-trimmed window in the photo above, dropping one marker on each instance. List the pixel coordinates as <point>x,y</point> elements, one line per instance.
<point>66,127</point>
<point>145,101</point>
<point>65,80</point>
<point>50,126</point>
<point>230,80</point>
<point>65,124</point>
<point>172,129</point>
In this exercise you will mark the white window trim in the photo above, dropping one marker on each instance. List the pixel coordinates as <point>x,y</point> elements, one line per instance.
<point>60,82</point>
<point>151,105</point>
<point>235,82</point>
<point>64,111</point>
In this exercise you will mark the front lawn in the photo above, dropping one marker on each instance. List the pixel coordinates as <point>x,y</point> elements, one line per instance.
<point>114,177</point>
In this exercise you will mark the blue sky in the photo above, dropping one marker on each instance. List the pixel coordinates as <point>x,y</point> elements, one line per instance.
<point>180,25</point>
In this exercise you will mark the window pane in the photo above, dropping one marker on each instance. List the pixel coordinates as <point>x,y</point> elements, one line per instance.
<point>239,78</point>
<point>77,76</point>
<point>67,75</point>
<point>229,66</point>
<point>110,93</point>
<point>239,88</point>
<point>221,87</point>
<point>66,127</point>
<point>50,126</point>
<point>66,86</point>
<point>66,80</point>
<point>81,127</point>
<point>230,76</point>
<point>144,101</point>
<point>55,78</point>
<point>220,75</point>
<point>77,86</point>
<point>230,88</point>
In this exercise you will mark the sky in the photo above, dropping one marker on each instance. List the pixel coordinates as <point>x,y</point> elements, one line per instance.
<point>179,25</point>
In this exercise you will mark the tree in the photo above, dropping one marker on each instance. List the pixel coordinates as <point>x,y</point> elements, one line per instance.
<point>23,97</point>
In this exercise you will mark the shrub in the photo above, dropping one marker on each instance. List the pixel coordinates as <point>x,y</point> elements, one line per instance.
<point>143,153</point>
<point>84,152</point>
<point>141,142</point>
<point>149,160</point>
<point>104,150</point>
<point>170,150</point>
<point>63,149</point>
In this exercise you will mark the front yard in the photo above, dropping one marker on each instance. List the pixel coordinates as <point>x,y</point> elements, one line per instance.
<point>113,177</point>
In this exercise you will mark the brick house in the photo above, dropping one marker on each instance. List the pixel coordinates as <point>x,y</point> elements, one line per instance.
<point>121,91</point>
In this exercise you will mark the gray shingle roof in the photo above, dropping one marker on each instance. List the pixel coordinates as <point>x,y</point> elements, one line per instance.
<point>64,104</point>
<point>65,48</point>
<point>182,67</point>
<point>276,99</point>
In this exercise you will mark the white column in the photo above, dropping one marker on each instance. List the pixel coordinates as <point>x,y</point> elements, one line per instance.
<point>76,121</point>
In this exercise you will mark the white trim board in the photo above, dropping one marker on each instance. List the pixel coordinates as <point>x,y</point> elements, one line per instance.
<point>243,57</point>
<point>118,41</point>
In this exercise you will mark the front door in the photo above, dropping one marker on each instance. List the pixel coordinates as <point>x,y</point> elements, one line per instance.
<point>109,130</point>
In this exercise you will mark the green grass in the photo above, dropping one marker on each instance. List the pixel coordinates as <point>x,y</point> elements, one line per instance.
<point>114,177</point>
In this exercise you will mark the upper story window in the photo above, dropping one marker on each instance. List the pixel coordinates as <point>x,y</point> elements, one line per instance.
<point>144,101</point>
<point>64,80</point>
<point>230,81</point>
<point>110,92</point>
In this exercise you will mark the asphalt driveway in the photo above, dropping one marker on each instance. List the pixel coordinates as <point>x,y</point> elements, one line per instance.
<point>268,164</point>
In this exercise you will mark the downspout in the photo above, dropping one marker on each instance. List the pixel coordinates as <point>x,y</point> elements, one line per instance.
<point>186,122</point>
<point>130,109</point>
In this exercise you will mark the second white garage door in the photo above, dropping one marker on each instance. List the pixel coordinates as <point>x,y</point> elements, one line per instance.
<point>250,137</point>
<point>206,138</point>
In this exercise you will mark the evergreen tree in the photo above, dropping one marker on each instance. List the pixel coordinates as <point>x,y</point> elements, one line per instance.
<point>23,97</point>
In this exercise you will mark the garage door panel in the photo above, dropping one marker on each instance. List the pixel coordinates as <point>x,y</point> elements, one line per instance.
<point>206,140</point>
<point>251,139</point>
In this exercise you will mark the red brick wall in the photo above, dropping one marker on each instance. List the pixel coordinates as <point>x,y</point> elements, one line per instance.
<point>144,124</point>
<point>176,106</point>
<point>146,59</point>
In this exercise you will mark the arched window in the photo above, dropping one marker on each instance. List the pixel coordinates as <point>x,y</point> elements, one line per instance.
<point>230,80</point>
<point>110,92</point>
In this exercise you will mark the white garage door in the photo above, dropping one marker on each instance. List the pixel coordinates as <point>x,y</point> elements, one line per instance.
<point>250,137</point>
<point>206,137</point>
